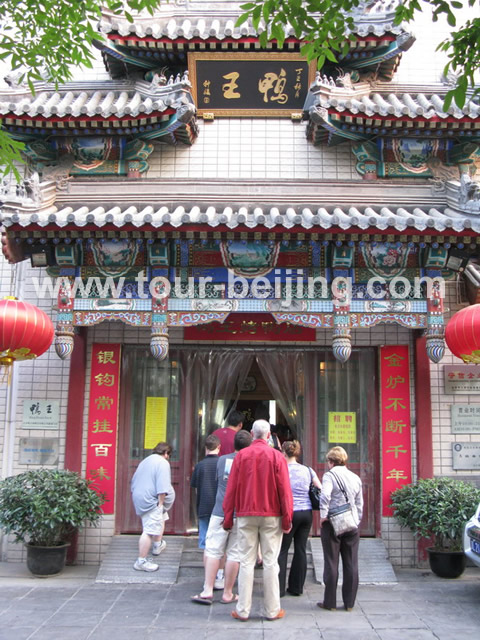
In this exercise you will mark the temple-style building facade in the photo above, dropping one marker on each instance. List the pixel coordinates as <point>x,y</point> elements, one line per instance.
<point>212,225</point>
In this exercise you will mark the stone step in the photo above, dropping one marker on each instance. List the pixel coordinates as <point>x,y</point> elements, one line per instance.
<point>183,558</point>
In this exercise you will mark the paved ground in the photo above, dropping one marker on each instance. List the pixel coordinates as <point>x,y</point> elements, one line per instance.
<point>72,607</point>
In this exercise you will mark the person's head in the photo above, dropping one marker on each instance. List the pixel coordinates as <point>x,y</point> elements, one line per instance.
<point>262,413</point>
<point>337,456</point>
<point>242,439</point>
<point>212,444</point>
<point>235,419</point>
<point>292,449</point>
<point>260,430</point>
<point>163,449</point>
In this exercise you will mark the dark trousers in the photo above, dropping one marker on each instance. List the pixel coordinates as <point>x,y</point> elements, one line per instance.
<point>346,546</point>
<point>301,525</point>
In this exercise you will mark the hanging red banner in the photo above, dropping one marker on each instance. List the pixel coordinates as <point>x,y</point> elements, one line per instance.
<point>103,420</point>
<point>395,421</point>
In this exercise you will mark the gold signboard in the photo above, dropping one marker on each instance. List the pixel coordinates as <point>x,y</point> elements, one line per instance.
<point>250,84</point>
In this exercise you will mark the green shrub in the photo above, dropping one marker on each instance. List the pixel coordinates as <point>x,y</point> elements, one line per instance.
<point>45,506</point>
<point>438,508</point>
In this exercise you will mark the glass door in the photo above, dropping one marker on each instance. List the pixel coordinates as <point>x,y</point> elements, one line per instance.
<point>150,412</point>
<point>346,415</point>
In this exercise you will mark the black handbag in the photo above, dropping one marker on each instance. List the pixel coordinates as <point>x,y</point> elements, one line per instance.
<point>314,493</point>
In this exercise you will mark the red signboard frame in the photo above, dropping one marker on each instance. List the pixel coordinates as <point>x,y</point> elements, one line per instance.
<point>395,421</point>
<point>103,420</point>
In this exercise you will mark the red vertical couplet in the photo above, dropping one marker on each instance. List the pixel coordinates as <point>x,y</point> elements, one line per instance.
<point>103,420</point>
<point>395,421</point>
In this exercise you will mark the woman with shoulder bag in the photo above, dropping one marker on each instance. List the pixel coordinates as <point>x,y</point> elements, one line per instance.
<point>300,479</point>
<point>341,501</point>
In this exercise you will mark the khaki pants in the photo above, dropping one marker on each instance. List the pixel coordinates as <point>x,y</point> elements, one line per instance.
<point>252,531</point>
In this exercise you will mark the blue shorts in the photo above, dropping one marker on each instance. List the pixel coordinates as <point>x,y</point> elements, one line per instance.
<point>202,531</point>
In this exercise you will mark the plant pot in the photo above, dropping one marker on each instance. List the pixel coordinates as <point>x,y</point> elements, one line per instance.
<point>447,564</point>
<point>46,561</point>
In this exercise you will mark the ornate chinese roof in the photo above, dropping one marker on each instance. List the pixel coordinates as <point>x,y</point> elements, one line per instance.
<point>176,28</point>
<point>361,111</point>
<point>387,219</point>
<point>146,110</point>
<point>39,206</point>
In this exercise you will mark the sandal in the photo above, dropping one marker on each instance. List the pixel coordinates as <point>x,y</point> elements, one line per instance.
<point>235,615</point>
<point>234,598</point>
<point>202,599</point>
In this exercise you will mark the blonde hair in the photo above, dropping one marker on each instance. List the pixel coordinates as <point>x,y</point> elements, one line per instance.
<point>338,456</point>
<point>292,448</point>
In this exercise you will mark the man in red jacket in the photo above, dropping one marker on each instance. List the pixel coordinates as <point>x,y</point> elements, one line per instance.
<point>259,493</point>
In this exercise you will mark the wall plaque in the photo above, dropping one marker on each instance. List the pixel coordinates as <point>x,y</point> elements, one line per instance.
<point>466,455</point>
<point>465,418</point>
<point>40,414</point>
<point>462,379</point>
<point>43,451</point>
<point>250,84</point>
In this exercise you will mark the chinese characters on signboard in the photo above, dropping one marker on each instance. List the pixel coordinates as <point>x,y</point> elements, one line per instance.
<point>43,451</point>
<point>249,84</point>
<point>462,378</point>
<point>395,421</point>
<point>342,427</point>
<point>465,418</point>
<point>155,421</point>
<point>465,455</point>
<point>40,414</point>
<point>258,326</point>
<point>103,420</point>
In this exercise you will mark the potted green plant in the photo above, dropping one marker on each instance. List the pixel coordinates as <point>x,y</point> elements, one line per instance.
<point>437,509</point>
<point>43,508</point>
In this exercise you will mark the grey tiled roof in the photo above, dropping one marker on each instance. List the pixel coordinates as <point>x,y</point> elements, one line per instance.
<point>385,219</point>
<point>423,105</point>
<point>97,98</point>
<point>204,20</point>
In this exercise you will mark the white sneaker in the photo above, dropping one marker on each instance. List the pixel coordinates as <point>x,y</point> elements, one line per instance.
<point>158,547</point>
<point>219,584</point>
<point>145,565</point>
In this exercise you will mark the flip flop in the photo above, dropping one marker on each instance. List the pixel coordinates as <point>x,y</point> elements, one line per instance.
<point>202,600</point>
<point>234,598</point>
<point>235,615</point>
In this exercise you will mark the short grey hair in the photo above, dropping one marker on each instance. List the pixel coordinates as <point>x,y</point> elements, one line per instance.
<point>260,429</point>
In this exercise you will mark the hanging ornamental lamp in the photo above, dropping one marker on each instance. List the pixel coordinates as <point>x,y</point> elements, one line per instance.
<point>25,331</point>
<point>463,334</point>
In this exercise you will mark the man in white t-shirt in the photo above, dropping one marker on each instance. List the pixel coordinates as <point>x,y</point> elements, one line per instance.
<point>152,495</point>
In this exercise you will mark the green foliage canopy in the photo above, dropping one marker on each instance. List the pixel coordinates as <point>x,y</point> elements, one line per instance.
<point>322,24</point>
<point>45,39</point>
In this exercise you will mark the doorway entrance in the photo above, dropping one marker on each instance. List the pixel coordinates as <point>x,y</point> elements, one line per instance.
<point>307,391</point>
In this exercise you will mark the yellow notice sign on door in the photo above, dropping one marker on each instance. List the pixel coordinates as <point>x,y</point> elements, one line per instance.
<point>342,427</point>
<point>155,422</point>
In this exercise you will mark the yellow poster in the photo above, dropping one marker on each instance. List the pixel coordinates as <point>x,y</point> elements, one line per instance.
<point>342,427</point>
<point>155,422</point>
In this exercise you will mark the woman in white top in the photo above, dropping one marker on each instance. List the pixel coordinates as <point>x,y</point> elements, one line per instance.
<point>300,479</point>
<point>345,545</point>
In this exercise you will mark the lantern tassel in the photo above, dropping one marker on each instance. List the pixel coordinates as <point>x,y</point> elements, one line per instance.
<point>6,374</point>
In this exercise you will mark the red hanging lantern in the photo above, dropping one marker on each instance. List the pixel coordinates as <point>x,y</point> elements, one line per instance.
<point>25,331</point>
<point>463,334</point>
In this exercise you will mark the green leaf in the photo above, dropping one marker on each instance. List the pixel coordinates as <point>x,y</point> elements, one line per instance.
<point>243,18</point>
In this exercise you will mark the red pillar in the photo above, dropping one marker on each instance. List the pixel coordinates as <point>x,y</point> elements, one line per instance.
<point>75,410</point>
<point>423,408</point>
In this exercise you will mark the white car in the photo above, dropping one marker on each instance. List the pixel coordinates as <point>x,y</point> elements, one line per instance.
<point>471,538</point>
